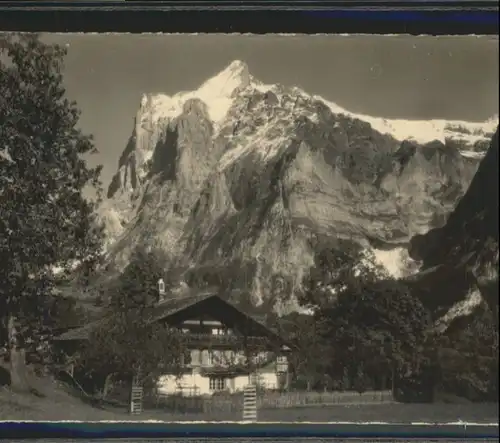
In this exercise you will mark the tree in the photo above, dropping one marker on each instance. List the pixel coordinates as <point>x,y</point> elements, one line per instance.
<point>379,327</point>
<point>45,220</point>
<point>137,287</point>
<point>126,345</point>
<point>307,362</point>
<point>468,357</point>
<point>338,266</point>
<point>128,341</point>
<point>370,322</point>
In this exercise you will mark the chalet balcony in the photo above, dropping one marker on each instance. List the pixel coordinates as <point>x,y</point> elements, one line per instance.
<point>226,341</point>
<point>237,369</point>
<point>236,364</point>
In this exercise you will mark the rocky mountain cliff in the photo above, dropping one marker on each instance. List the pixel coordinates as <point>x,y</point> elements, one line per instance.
<point>237,180</point>
<point>460,259</point>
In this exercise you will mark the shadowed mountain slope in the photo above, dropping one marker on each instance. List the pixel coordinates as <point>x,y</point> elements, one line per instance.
<point>237,180</point>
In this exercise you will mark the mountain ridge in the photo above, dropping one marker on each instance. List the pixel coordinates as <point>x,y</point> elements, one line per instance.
<point>461,257</point>
<point>242,172</point>
<point>218,93</point>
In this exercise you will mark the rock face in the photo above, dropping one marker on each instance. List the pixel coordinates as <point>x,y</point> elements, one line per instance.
<point>461,257</point>
<point>236,180</point>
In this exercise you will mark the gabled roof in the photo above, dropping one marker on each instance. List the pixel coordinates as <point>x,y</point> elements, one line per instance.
<point>168,308</point>
<point>79,334</point>
<point>163,310</point>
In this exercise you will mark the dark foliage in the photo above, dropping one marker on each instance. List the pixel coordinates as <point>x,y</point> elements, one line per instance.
<point>45,220</point>
<point>468,358</point>
<point>367,326</point>
<point>125,342</point>
<point>308,365</point>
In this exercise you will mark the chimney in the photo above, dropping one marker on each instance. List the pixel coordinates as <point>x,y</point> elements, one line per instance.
<point>161,289</point>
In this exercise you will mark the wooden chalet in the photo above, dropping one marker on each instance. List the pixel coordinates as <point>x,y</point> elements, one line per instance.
<point>227,348</point>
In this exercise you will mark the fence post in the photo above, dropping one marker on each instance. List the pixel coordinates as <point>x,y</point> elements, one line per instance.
<point>136,396</point>
<point>250,403</point>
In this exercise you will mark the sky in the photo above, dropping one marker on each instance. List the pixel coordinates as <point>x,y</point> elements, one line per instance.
<point>409,77</point>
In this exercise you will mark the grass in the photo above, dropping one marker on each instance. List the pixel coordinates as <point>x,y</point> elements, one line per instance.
<point>58,403</point>
<point>233,403</point>
<point>54,404</point>
<point>54,401</point>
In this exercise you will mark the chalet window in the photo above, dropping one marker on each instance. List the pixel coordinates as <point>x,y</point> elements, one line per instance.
<point>217,383</point>
<point>229,357</point>
<point>214,358</point>
<point>281,363</point>
<point>204,358</point>
<point>195,357</point>
<point>161,288</point>
<point>261,357</point>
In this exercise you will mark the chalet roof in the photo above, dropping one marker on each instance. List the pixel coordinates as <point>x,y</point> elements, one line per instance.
<point>79,334</point>
<point>170,306</point>
<point>163,310</point>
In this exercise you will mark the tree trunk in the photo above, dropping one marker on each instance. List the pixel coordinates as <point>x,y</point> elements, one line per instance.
<point>393,379</point>
<point>107,385</point>
<point>383,382</point>
<point>18,370</point>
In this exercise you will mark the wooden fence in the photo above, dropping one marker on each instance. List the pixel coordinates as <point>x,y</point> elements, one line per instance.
<point>293,399</point>
<point>233,403</point>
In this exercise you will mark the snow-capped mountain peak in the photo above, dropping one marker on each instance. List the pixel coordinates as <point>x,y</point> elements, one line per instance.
<point>237,167</point>
<point>235,75</point>
<point>217,93</point>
